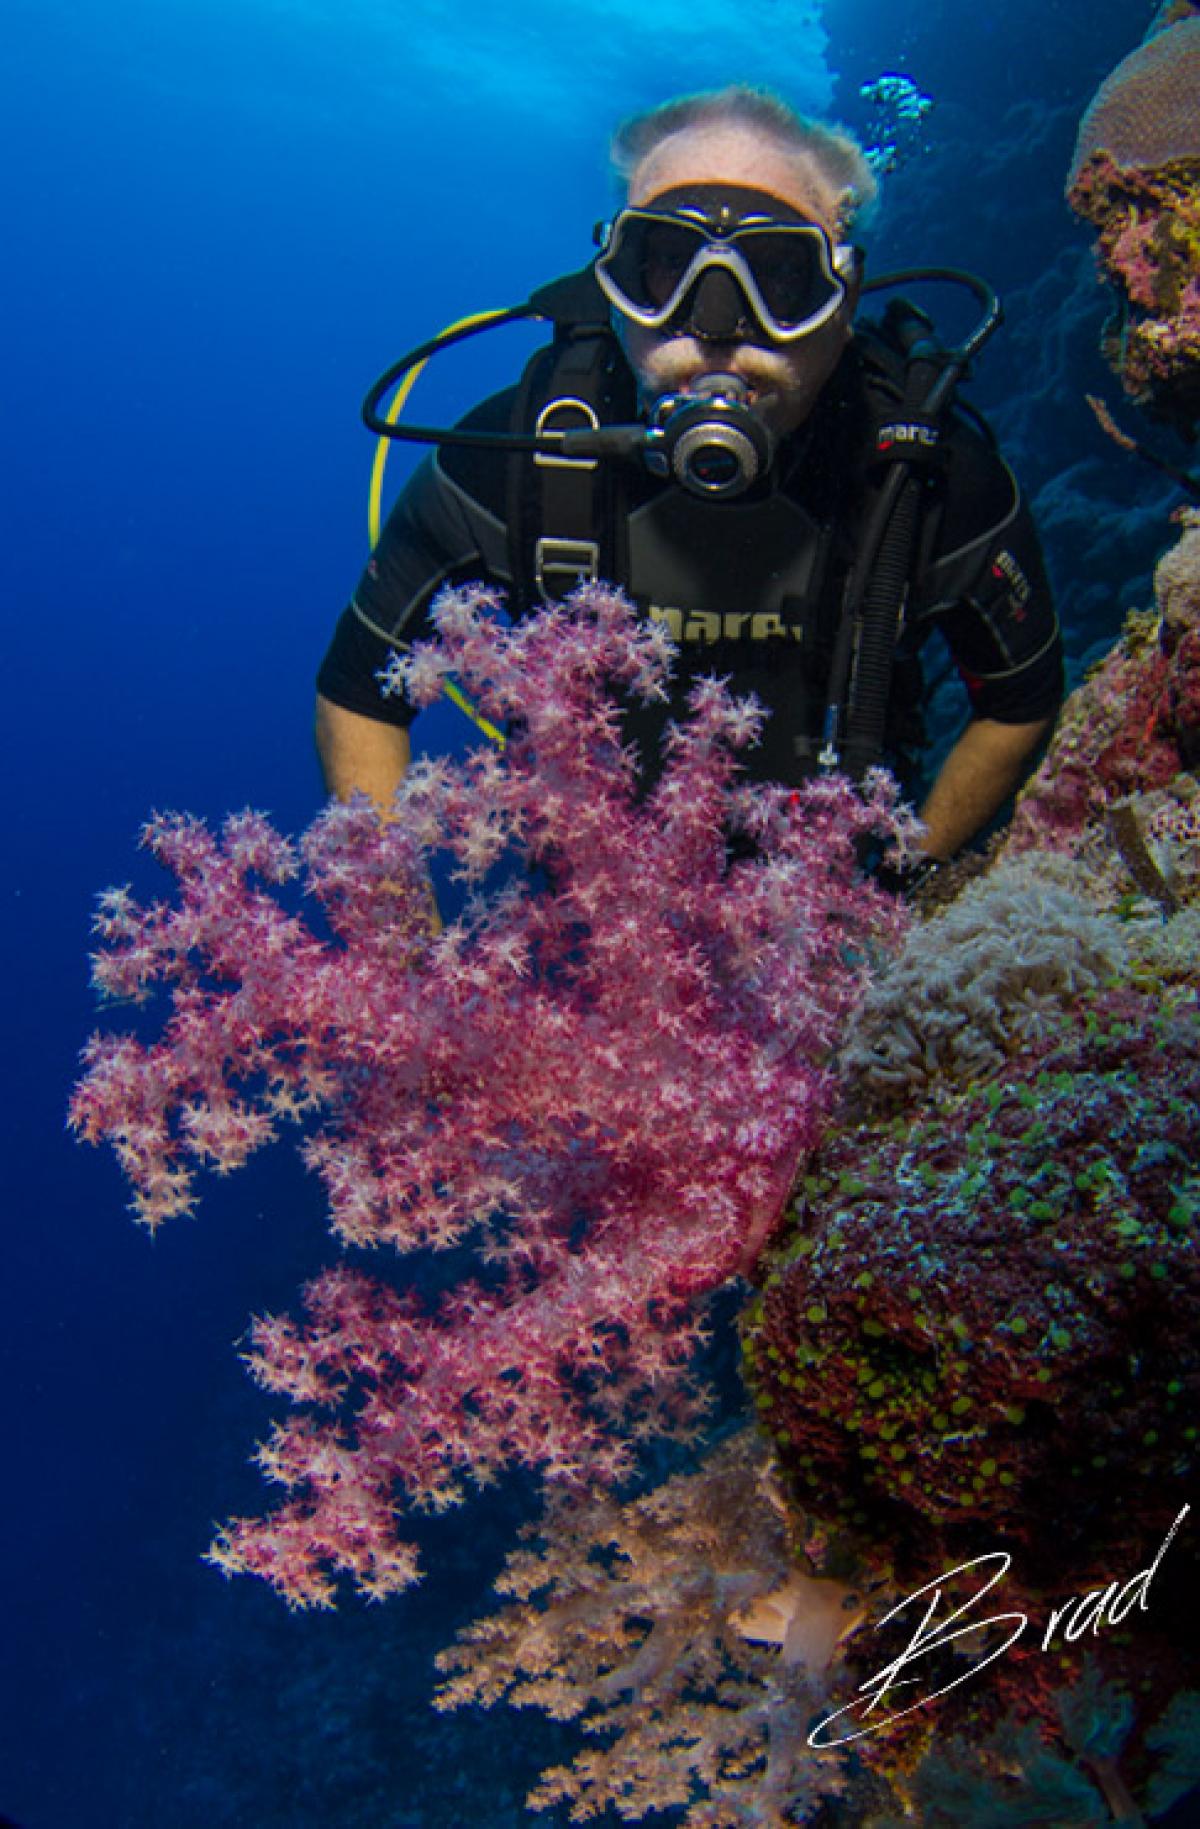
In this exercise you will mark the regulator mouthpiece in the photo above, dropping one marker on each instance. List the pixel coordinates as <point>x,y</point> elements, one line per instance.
<point>709,439</point>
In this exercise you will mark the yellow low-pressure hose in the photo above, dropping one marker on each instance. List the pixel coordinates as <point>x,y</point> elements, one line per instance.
<point>375,503</point>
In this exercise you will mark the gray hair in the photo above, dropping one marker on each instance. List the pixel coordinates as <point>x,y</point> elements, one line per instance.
<point>831,151</point>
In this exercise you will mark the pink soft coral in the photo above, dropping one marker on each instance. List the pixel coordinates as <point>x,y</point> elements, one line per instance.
<point>1133,727</point>
<point>601,1084</point>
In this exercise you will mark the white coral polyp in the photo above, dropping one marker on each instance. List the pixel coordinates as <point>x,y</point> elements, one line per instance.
<point>981,981</point>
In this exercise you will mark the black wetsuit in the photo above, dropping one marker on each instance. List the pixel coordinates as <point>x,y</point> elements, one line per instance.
<point>751,588</point>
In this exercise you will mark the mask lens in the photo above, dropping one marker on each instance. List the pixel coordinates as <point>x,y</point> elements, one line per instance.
<point>788,271</point>
<point>650,259</point>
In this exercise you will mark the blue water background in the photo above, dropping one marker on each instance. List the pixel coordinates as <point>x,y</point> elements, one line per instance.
<point>222,219</point>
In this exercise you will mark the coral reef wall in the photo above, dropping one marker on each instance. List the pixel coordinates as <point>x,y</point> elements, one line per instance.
<point>1135,177</point>
<point>988,1303</point>
<point>981,1332</point>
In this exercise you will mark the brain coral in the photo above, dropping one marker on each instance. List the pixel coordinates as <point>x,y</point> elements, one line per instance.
<point>1145,114</point>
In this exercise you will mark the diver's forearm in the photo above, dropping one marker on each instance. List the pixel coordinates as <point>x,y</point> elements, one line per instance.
<point>985,766</point>
<point>360,754</point>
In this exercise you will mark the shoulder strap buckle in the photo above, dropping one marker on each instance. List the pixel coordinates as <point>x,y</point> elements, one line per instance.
<point>559,565</point>
<point>566,414</point>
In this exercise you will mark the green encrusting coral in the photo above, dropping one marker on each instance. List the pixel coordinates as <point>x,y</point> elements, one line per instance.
<point>986,1311</point>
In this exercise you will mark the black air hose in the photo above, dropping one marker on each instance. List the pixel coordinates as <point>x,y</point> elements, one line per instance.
<point>882,611</point>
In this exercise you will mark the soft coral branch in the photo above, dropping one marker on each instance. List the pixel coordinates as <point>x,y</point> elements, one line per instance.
<point>601,1079</point>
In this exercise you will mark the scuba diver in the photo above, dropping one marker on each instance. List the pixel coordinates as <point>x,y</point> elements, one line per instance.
<point>800,502</point>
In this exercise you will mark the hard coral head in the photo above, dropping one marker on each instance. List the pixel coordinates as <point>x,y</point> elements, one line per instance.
<point>1136,178</point>
<point>1145,113</point>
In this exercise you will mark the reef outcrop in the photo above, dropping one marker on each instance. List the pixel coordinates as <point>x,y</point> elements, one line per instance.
<point>987,1307</point>
<point>1136,177</point>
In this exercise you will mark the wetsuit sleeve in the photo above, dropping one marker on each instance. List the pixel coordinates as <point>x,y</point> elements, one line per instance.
<point>446,528</point>
<point>988,592</point>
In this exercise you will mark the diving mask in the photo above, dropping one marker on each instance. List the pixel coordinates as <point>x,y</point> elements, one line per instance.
<point>723,263</point>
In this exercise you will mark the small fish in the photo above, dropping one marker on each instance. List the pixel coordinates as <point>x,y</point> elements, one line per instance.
<point>1127,836</point>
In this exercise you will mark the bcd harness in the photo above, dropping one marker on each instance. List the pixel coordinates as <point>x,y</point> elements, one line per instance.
<point>566,495</point>
<point>568,520</point>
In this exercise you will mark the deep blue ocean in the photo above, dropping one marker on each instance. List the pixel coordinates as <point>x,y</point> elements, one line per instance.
<point>221,220</point>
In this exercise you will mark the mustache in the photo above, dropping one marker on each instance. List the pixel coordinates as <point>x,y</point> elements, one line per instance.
<point>681,360</point>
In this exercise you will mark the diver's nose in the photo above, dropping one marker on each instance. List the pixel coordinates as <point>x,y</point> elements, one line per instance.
<point>718,309</point>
